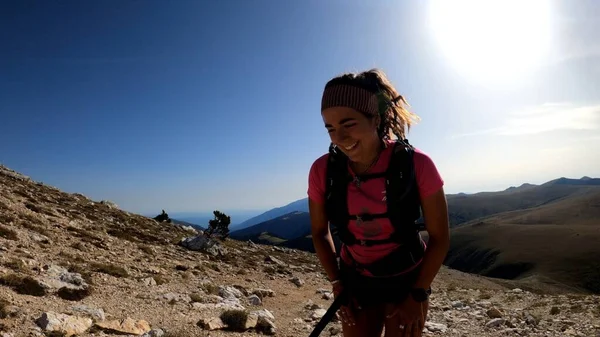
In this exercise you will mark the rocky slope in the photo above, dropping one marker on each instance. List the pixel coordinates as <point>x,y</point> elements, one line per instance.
<point>72,265</point>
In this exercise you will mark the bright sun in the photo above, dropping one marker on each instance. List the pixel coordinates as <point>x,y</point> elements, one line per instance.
<point>492,41</point>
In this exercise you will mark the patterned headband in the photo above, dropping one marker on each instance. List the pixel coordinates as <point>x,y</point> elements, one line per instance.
<point>352,97</point>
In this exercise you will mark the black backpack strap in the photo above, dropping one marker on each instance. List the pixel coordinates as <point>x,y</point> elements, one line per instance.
<point>336,191</point>
<point>403,200</point>
<point>403,203</point>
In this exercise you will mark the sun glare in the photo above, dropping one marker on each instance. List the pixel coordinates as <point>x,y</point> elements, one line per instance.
<point>491,40</point>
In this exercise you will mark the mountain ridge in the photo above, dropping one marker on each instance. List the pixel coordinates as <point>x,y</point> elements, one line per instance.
<point>559,207</point>
<point>301,205</point>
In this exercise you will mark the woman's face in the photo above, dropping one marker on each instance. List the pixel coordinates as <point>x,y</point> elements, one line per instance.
<point>352,132</point>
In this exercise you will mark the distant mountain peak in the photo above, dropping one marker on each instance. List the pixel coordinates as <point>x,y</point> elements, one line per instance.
<point>583,181</point>
<point>525,185</point>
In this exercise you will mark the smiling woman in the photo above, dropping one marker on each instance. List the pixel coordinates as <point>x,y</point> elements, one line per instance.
<point>492,41</point>
<point>370,189</point>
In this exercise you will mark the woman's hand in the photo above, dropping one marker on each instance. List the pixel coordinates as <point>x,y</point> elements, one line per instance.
<point>410,316</point>
<point>346,312</point>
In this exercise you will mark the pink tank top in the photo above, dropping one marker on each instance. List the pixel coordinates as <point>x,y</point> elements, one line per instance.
<point>370,198</point>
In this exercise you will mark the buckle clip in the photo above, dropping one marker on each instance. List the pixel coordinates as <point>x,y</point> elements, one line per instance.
<point>362,242</point>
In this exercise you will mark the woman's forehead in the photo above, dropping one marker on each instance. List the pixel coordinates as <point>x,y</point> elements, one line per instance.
<point>339,115</point>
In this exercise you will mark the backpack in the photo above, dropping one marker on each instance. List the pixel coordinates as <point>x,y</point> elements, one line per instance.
<point>403,206</point>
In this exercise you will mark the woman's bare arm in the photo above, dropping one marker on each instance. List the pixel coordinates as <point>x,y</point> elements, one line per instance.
<point>322,239</point>
<point>435,212</point>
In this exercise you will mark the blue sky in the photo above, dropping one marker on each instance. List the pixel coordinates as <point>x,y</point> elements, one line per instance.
<point>202,105</point>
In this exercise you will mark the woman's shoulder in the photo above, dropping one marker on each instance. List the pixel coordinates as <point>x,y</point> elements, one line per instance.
<point>422,157</point>
<point>428,176</point>
<point>316,178</point>
<point>320,163</point>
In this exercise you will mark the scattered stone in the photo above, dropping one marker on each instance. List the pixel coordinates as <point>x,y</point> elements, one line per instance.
<point>127,326</point>
<point>457,304</point>
<point>494,313</point>
<point>154,333</point>
<point>297,281</point>
<point>264,313</point>
<point>531,320</point>
<point>494,323</point>
<point>326,294</point>
<point>263,292</point>
<point>174,297</point>
<point>203,244</point>
<point>40,238</point>
<point>95,314</point>
<point>254,300</point>
<point>228,292</point>
<point>335,330</point>
<point>317,314</point>
<point>63,324</point>
<point>436,327</point>
<point>266,325</point>
<point>109,204</point>
<point>149,281</point>
<point>275,260</point>
<point>55,277</point>
<point>213,323</point>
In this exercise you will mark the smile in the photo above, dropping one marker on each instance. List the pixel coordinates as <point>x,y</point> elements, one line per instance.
<point>351,146</point>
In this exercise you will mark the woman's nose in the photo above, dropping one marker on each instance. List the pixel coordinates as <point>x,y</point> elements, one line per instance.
<point>339,136</point>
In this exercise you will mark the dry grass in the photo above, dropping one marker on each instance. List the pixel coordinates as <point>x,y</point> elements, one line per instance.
<point>109,269</point>
<point>235,319</point>
<point>71,294</point>
<point>25,285</point>
<point>7,218</point>
<point>79,245</point>
<point>16,265</point>
<point>39,209</point>
<point>484,296</point>
<point>160,279</point>
<point>8,233</point>
<point>4,308</point>
<point>181,267</point>
<point>146,249</point>
<point>31,218</point>
<point>210,288</point>
<point>196,297</point>
<point>35,228</point>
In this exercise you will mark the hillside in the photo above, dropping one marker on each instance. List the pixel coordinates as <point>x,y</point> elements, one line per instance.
<point>69,265</point>
<point>561,214</point>
<point>290,230</point>
<point>557,241</point>
<point>296,206</point>
<point>464,207</point>
<point>288,226</point>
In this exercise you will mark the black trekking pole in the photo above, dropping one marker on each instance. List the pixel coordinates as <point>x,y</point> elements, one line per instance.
<point>337,303</point>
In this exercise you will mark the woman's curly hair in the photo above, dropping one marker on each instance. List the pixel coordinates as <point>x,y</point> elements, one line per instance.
<point>396,119</point>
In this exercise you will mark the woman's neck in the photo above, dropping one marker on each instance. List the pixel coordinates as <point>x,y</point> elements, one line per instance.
<point>364,166</point>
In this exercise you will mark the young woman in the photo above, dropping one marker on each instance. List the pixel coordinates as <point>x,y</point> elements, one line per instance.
<point>385,267</point>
